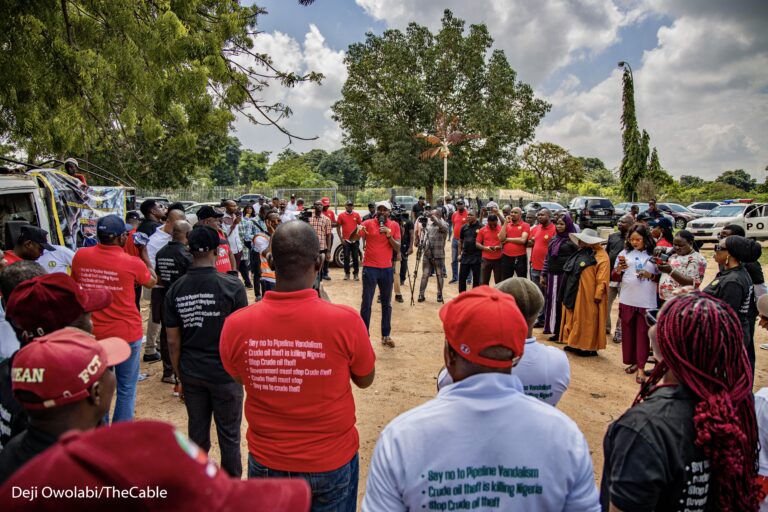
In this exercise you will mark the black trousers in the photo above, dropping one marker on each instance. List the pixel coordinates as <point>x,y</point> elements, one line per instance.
<point>464,270</point>
<point>156,300</point>
<point>224,403</point>
<point>514,265</point>
<point>403,265</point>
<point>256,271</point>
<point>351,248</point>
<point>488,267</point>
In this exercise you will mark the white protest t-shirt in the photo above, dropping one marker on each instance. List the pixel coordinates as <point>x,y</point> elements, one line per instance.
<point>640,293</point>
<point>544,372</point>
<point>482,444</point>
<point>157,241</point>
<point>58,261</point>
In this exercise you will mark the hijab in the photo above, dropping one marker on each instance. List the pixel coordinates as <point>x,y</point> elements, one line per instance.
<point>563,237</point>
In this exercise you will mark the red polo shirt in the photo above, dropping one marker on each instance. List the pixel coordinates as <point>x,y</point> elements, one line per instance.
<point>222,254</point>
<point>459,219</point>
<point>541,237</point>
<point>489,237</point>
<point>348,223</point>
<point>516,231</point>
<point>108,266</point>
<point>329,213</point>
<point>378,252</point>
<point>294,353</point>
<point>10,257</point>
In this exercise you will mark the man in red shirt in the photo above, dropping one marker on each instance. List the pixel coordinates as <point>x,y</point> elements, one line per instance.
<point>382,236</point>
<point>347,223</point>
<point>514,237</point>
<point>225,260</point>
<point>541,234</point>
<point>488,242</point>
<point>29,246</point>
<point>458,219</point>
<point>106,265</point>
<point>296,354</point>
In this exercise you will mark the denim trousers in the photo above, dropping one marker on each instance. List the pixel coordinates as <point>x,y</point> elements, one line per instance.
<point>331,490</point>
<point>224,403</point>
<point>127,375</point>
<point>454,259</point>
<point>384,279</point>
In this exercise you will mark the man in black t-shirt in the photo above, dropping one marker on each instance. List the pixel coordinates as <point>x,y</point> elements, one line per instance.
<point>418,208</point>
<point>196,306</point>
<point>406,246</point>
<point>154,216</point>
<point>470,257</point>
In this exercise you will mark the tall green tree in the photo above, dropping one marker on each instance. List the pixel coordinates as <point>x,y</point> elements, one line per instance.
<point>656,173</point>
<point>225,170</point>
<point>738,178</point>
<point>340,167</point>
<point>551,167</point>
<point>398,83</point>
<point>147,88</point>
<point>292,170</point>
<point>252,166</point>
<point>688,181</point>
<point>632,162</point>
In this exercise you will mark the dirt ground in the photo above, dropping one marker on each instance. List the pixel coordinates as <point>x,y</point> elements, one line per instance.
<point>406,375</point>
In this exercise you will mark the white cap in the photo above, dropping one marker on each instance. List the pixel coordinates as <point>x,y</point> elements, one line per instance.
<point>385,204</point>
<point>491,204</point>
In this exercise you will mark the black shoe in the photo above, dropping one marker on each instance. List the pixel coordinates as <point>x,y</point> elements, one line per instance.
<point>399,298</point>
<point>355,277</point>
<point>422,298</point>
<point>249,286</point>
<point>569,348</point>
<point>378,300</point>
<point>326,278</point>
<point>151,358</point>
<point>538,325</point>
<point>440,299</point>
<point>453,281</point>
<point>346,277</point>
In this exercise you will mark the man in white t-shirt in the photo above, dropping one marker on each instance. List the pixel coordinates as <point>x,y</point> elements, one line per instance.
<point>58,261</point>
<point>482,444</point>
<point>543,370</point>
<point>292,205</point>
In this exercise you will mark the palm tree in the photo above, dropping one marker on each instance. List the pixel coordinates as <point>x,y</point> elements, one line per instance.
<point>446,134</point>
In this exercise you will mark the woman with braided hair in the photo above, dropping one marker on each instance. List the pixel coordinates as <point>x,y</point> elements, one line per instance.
<point>689,442</point>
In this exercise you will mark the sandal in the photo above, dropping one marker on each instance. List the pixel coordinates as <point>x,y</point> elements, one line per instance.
<point>640,379</point>
<point>629,370</point>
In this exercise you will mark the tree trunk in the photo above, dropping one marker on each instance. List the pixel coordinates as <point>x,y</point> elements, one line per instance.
<point>430,190</point>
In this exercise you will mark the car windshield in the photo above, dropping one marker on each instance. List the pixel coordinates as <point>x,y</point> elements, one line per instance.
<point>600,203</point>
<point>730,210</point>
<point>678,208</point>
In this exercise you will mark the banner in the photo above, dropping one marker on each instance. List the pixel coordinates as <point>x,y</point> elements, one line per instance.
<point>74,208</point>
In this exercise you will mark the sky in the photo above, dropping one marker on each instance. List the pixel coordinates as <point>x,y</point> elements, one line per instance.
<point>700,69</point>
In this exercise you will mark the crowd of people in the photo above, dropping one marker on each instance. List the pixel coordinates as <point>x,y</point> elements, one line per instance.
<point>491,439</point>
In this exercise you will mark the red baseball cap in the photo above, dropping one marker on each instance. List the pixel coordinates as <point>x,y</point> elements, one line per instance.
<point>482,318</point>
<point>60,367</point>
<point>145,457</point>
<point>49,302</point>
<point>326,201</point>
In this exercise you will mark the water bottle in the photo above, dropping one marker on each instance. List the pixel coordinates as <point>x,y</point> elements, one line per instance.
<point>639,267</point>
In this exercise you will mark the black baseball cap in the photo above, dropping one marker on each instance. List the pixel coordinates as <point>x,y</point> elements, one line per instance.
<point>132,215</point>
<point>111,225</point>
<point>207,212</point>
<point>350,203</point>
<point>35,234</point>
<point>203,239</point>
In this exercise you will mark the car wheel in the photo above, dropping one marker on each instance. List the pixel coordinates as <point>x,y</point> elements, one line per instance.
<point>680,223</point>
<point>338,256</point>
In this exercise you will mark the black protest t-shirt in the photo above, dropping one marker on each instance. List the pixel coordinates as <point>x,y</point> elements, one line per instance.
<point>22,449</point>
<point>198,303</point>
<point>417,210</point>
<point>173,260</point>
<point>148,226</point>
<point>13,417</point>
<point>651,461</point>
<point>470,254</point>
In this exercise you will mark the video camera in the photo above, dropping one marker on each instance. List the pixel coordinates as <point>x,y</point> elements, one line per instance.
<point>305,215</point>
<point>423,217</point>
<point>662,257</point>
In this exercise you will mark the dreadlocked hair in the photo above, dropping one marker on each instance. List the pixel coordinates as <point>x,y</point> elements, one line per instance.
<point>701,342</point>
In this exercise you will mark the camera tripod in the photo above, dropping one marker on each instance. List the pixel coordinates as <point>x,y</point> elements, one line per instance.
<point>424,247</point>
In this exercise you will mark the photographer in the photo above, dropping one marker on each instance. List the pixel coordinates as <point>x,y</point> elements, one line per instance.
<point>684,266</point>
<point>434,252</point>
<point>323,227</point>
<point>382,236</point>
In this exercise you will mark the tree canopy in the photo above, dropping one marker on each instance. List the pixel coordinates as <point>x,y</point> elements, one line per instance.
<point>399,83</point>
<point>147,88</point>
<point>739,178</point>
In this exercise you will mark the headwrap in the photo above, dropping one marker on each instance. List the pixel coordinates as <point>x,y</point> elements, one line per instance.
<point>563,237</point>
<point>743,249</point>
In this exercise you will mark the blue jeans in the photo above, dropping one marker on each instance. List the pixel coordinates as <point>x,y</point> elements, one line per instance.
<point>127,374</point>
<point>331,490</point>
<point>454,259</point>
<point>384,279</point>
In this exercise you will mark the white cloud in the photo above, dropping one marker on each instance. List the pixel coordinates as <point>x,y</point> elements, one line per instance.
<point>310,102</point>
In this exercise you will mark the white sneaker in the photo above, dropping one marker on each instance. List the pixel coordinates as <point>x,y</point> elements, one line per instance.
<point>764,346</point>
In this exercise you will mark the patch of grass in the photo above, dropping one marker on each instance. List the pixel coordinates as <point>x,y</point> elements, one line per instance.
<point>764,257</point>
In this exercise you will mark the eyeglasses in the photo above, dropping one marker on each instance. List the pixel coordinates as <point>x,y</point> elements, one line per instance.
<point>651,317</point>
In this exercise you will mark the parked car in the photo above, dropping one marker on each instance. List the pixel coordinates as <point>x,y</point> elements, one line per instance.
<point>246,199</point>
<point>191,210</point>
<point>406,202</point>
<point>703,208</point>
<point>159,199</point>
<point>752,217</point>
<point>591,212</point>
<point>680,213</point>
<point>538,205</point>
<point>187,204</point>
